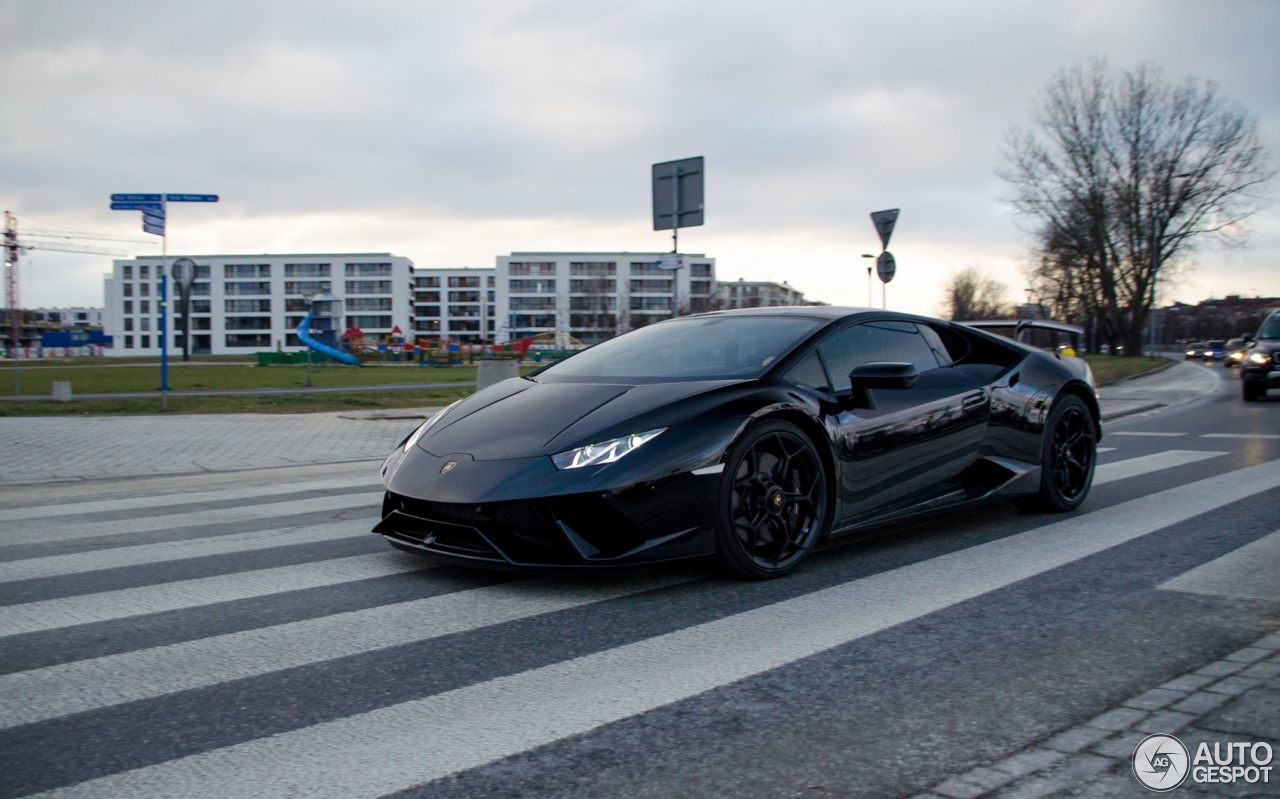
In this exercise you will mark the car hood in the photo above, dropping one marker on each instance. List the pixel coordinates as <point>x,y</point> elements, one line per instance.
<point>523,418</point>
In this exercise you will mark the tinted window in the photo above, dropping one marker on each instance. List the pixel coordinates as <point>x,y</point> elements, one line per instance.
<point>691,349</point>
<point>809,372</point>
<point>877,341</point>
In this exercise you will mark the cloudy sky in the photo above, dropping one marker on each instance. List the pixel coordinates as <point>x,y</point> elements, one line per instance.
<point>453,132</point>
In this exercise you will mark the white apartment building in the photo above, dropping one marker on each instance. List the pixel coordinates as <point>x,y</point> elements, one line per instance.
<point>454,303</point>
<point>759,294</point>
<point>242,304</point>
<point>595,296</point>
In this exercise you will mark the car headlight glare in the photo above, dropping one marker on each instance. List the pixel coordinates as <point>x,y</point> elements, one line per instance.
<point>604,452</point>
<point>1259,357</point>
<point>427,425</point>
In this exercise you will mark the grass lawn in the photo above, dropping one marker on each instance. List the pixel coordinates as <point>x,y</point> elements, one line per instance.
<point>1109,369</point>
<point>96,377</point>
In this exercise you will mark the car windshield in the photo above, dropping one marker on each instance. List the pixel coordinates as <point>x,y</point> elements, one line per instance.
<point>1270,328</point>
<point>693,348</point>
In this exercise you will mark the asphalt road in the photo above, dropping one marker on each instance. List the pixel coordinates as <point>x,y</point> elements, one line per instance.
<point>241,634</point>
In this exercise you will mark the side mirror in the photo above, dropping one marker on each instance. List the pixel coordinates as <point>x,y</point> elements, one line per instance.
<point>879,374</point>
<point>883,374</point>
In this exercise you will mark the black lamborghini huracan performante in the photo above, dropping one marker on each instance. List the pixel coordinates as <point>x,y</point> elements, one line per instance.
<point>747,436</point>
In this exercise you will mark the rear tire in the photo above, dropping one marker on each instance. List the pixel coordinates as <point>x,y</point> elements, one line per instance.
<point>773,502</point>
<point>1069,455</point>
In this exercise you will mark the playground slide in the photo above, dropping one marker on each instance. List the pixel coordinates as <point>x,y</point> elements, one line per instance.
<point>324,349</point>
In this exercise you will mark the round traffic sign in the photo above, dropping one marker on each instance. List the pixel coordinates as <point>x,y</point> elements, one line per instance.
<point>885,266</point>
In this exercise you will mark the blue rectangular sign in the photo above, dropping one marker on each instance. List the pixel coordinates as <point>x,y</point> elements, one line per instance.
<point>152,209</point>
<point>126,206</point>
<point>191,198</point>
<point>156,229</point>
<point>135,198</point>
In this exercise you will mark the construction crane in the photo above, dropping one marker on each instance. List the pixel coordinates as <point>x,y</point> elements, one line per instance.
<point>47,240</point>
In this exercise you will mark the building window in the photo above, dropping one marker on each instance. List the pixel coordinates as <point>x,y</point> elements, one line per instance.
<point>128,306</point>
<point>533,320</point>
<point>532,286</point>
<point>247,323</point>
<point>368,270</point>
<point>200,306</point>
<point>700,286</point>
<point>426,296</point>
<point>368,286</point>
<point>525,268</point>
<point>489,281</point>
<point>700,270</point>
<point>243,288</point>
<point>246,270</point>
<point>126,272</point>
<point>647,268</point>
<point>248,340</point>
<point>533,303</point>
<point>427,310</point>
<point>464,282</point>
<point>145,342</point>
<point>368,303</point>
<point>144,289</point>
<point>144,324</point>
<point>593,268</point>
<point>248,306</point>
<point>201,323</point>
<point>296,305</point>
<point>128,342</point>
<point>128,325</point>
<point>144,271</point>
<point>306,270</point>
<point>650,286</point>
<point>427,282</point>
<point>597,285</point>
<point>144,306</point>
<point>363,322</point>
<point>604,321</point>
<point>651,303</point>
<point>596,303</point>
<point>466,326</point>
<point>126,290</point>
<point>199,289</point>
<point>464,296</point>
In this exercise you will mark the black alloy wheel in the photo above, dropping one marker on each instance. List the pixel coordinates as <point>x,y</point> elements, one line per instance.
<point>1070,455</point>
<point>773,505</point>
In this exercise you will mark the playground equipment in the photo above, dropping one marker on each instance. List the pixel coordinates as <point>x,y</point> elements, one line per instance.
<point>323,340</point>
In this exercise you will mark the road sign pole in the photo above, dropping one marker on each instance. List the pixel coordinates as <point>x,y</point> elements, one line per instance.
<point>164,313</point>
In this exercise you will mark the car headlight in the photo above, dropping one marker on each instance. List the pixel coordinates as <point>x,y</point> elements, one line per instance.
<point>1259,357</point>
<point>604,452</point>
<point>427,425</point>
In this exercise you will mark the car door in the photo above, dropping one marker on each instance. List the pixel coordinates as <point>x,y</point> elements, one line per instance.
<point>914,444</point>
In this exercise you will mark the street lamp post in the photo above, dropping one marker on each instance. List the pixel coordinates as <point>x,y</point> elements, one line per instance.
<point>869,284</point>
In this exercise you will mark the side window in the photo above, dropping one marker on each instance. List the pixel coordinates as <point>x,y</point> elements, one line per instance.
<point>876,341</point>
<point>935,343</point>
<point>810,373</point>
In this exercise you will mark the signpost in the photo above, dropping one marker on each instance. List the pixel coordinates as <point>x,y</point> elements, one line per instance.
<point>678,191</point>
<point>886,267</point>
<point>153,211</point>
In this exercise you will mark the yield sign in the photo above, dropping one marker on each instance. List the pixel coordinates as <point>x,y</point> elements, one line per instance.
<point>884,220</point>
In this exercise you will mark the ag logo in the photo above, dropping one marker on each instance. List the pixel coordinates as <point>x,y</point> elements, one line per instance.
<point>1160,762</point>
<point>448,467</point>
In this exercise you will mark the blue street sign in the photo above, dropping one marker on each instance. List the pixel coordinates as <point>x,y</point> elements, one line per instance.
<point>126,206</point>
<point>156,228</point>
<point>135,198</point>
<point>152,209</point>
<point>191,198</point>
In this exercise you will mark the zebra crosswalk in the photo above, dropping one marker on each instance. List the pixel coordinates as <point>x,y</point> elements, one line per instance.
<point>664,638</point>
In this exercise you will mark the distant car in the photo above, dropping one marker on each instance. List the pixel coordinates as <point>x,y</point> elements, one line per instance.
<point>1195,350</point>
<point>1234,352</point>
<point>746,436</point>
<point>1260,369</point>
<point>1213,350</point>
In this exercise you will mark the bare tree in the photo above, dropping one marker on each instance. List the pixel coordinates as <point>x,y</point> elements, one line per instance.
<point>1120,174</point>
<point>969,294</point>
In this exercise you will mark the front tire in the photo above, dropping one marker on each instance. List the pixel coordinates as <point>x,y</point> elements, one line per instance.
<point>773,502</point>
<point>1251,390</point>
<point>1070,453</point>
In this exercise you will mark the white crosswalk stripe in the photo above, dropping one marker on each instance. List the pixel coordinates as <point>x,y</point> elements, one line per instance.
<point>362,754</point>
<point>1132,467</point>
<point>51,614</point>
